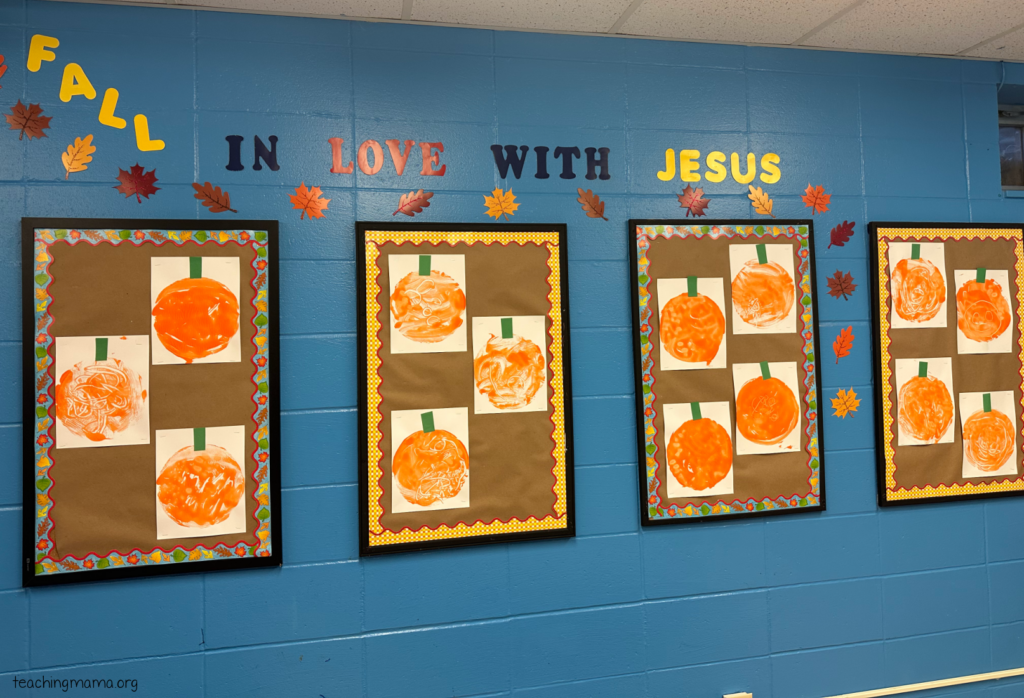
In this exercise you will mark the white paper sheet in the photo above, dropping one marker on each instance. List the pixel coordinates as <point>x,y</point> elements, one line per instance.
<point>933,252</point>
<point>675,416</point>
<point>939,368</point>
<point>528,327</point>
<point>1003,344</point>
<point>785,371</point>
<point>454,420</point>
<point>400,266</point>
<point>782,255</point>
<point>714,289</point>
<point>972,403</point>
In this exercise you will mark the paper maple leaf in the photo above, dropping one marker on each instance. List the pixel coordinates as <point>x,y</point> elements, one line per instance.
<point>29,120</point>
<point>845,403</point>
<point>692,200</point>
<point>309,201</point>
<point>500,203</point>
<point>412,203</point>
<point>841,234</point>
<point>816,199</point>
<point>840,284</point>
<point>137,182</point>
<point>843,343</point>
<point>762,202</point>
<point>213,198</point>
<point>77,156</point>
<point>591,203</point>
<point>3,68</point>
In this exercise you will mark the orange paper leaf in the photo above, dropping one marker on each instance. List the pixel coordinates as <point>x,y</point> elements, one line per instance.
<point>591,203</point>
<point>412,203</point>
<point>816,199</point>
<point>500,203</point>
<point>213,198</point>
<point>29,120</point>
<point>309,201</point>
<point>77,156</point>
<point>845,403</point>
<point>843,343</point>
<point>762,202</point>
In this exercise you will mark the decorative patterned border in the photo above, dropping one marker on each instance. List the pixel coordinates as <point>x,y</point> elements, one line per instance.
<point>44,239</point>
<point>380,536</point>
<point>656,509</point>
<point>894,492</point>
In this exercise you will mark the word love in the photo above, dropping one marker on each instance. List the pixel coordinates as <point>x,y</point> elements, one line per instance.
<point>75,83</point>
<point>689,164</point>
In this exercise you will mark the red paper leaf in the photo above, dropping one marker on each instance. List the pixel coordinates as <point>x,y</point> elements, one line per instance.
<point>137,182</point>
<point>843,343</point>
<point>692,200</point>
<point>29,120</point>
<point>840,284</point>
<point>412,203</point>
<point>816,199</point>
<point>3,68</point>
<point>841,234</point>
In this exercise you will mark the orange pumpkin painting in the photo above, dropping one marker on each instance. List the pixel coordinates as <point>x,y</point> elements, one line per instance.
<point>195,318</point>
<point>982,312</point>
<point>509,372</point>
<point>200,489</point>
<point>763,294</point>
<point>99,400</point>
<point>925,408</point>
<point>430,466</point>
<point>692,328</point>
<point>700,453</point>
<point>766,411</point>
<point>988,440</point>
<point>427,308</point>
<point>918,290</point>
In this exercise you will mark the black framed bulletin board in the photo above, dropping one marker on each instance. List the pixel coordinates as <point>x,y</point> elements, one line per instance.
<point>726,364</point>
<point>151,397</point>
<point>948,324</point>
<point>464,395</point>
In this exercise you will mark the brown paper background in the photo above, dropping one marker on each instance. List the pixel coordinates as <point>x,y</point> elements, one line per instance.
<point>105,498</point>
<point>510,455</point>
<point>754,476</point>
<point>917,466</point>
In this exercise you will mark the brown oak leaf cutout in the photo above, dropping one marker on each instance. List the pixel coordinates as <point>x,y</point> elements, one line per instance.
<point>310,201</point>
<point>693,201</point>
<point>137,182</point>
<point>843,343</point>
<point>841,285</point>
<point>29,120</point>
<point>816,199</point>
<point>412,203</point>
<point>213,198</point>
<point>591,203</point>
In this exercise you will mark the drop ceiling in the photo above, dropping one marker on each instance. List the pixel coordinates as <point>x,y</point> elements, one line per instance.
<point>964,28</point>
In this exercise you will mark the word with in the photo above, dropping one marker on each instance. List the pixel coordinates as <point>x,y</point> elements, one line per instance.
<point>716,172</point>
<point>515,158</point>
<point>431,159</point>
<point>75,83</point>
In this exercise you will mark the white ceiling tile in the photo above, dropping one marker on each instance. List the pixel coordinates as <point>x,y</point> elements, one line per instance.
<point>554,15</point>
<point>1006,48</point>
<point>739,21</point>
<point>941,27</point>
<point>384,9</point>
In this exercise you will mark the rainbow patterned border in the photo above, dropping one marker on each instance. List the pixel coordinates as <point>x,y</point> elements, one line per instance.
<point>380,536</point>
<point>893,492</point>
<point>657,510</point>
<point>44,239</point>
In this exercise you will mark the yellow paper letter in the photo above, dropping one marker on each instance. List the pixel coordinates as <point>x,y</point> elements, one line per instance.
<point>670,166</point>
<point>74,83</point>
<point>687,164</point>
<point>107,117</point>
<point>751,169</point>
<point>716,167</point>
<point>37,52</point>
<point>142,135</point>
<point>771,173</point>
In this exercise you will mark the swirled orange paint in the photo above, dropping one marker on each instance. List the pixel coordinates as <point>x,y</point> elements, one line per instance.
<point>981,310</point>
<point>926,408</point>
<point>199,489</point>
<point>430,466</point>
<point>766,411</point>
<point>195,318</point>
<point>99,400</point>
<point>988,439</point>
<point>918,290</point>
<point>692,328</point>
<point>763,294</point>
<point>700,453</point>
<point>427,308</point>
<point>509,371</point>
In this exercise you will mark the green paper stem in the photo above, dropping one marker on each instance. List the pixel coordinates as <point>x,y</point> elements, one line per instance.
<point>424,265</point>
<point>986,401</point>
<point>762,253</point>
<point>915,251</point>
<point>195,267</point>
<point>101,348</point>
<point>922,369</point>
<point>506,328</point>
<point>427,419</point>
<point>695,410</point>
<point>765,373</point>
<point>980,276</point>
<point>199,439</point>
<point>691,286</point>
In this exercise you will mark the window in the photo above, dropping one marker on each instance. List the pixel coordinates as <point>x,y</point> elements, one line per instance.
<point>1011,146</point>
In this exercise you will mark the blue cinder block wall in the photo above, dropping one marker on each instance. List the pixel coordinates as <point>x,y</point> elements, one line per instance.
<point>788,607</point>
